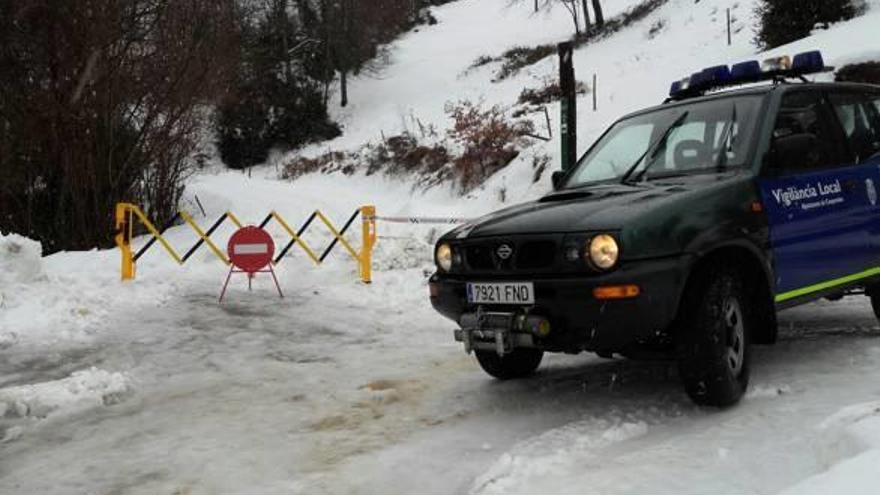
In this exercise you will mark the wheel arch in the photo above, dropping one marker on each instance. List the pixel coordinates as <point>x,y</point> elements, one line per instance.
<point>756,271</point>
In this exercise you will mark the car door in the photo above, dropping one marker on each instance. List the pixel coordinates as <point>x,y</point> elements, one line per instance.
<point>810,189</point>
<point>859,115</point>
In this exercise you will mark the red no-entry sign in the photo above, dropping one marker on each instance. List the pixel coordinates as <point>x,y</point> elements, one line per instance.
<point>251,250</point>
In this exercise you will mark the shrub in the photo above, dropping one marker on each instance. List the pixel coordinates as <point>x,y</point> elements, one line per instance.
<point>489,141</point>
<point>517,58</point>
<point>395,156</point>
<point>326,163</point>
<point>481,142</point>
<point>268,114</point>
<point>549,93</point>
<point>784,21</point>
<point>867,72</point>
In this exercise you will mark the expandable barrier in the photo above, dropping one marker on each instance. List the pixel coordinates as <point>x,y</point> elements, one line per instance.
<point>127,214</point>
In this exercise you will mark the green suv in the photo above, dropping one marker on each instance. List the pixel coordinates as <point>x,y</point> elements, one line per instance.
<point>682,231</point>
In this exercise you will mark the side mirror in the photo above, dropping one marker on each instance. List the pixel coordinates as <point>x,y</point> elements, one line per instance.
<point>793,152</point>
<point>557,179</point>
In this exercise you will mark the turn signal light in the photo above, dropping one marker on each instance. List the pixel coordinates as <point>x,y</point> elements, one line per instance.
<point>616,292</point>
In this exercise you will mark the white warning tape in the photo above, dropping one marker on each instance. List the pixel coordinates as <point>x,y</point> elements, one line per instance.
<point>424,220</point>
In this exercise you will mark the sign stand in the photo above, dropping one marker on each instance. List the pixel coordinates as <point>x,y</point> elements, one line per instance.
<point>250,251</point>
<point>251,276</point>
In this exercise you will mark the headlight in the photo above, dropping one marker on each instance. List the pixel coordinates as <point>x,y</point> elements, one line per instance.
<point>444,257</point>
<point>603,252</point>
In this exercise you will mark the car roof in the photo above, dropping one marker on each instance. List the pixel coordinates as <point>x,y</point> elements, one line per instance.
<point>755,89</point>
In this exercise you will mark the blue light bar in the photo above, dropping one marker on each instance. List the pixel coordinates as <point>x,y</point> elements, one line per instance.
<point>745,72</point>
<point>717,76</point>
<point>808,63</point>
<point>720,76</point>
<point>699,81</point>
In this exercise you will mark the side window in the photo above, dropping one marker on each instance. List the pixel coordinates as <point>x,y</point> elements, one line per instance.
<point>804,135</point>
<point>860,119</point>
<point>873,111</point>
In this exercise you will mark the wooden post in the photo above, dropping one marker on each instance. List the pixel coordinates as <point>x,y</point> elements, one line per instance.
<point>595,92</point>
<point>729,37</point>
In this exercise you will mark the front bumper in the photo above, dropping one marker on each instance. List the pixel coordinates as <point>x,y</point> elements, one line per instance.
<point>578,321</point>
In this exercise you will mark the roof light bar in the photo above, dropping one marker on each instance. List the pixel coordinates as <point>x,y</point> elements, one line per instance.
<point>776,64</point>
<point>748,72</point>
<point>808,62</point>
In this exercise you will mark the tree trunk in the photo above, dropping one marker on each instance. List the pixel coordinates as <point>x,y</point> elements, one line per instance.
<point>345,59</point>
<point>343,88</point>
<point>597,9</point>
<point>587,21</point>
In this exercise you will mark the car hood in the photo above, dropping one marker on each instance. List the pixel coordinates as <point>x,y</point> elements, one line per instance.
<point>605,207</point>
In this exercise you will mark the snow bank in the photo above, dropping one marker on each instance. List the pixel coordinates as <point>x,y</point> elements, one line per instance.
<point>850,448</point>
<point>83,390</point>
<point>556,452</point>
<point>20,260</point>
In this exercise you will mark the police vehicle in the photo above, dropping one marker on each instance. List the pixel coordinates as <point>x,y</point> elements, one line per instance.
<point>682,231</point>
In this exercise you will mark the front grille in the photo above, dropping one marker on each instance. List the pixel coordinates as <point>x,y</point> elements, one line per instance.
<point>527,254</point>
<point>536,255</point>
<point>480,257</point>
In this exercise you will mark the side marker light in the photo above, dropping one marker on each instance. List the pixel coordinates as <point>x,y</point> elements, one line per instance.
<point>611,292</point>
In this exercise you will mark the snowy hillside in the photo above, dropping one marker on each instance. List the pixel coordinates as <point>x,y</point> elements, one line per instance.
<point>153,387</point>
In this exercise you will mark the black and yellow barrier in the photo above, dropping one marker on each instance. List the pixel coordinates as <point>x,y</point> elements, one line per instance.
<point>128,214</point>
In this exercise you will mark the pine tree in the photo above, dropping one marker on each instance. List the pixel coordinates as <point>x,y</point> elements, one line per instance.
<point>784,21</point>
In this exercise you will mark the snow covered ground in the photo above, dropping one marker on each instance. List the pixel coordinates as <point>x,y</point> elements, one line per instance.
<point>153,387</point>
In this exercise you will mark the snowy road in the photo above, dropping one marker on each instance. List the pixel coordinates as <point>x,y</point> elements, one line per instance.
<point>153,388</point>
<point>372,397</point>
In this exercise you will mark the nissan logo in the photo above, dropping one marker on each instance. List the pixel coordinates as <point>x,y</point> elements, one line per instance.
<point>504,251</point>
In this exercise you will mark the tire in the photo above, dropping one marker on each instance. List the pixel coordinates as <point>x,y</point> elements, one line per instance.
<point>714,339</point>
<point>518,364</point>
<point>873,292</point>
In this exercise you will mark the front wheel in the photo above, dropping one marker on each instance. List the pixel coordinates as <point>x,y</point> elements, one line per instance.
<point>518,364</point>
<point>873,292</point>
<point>713,342</point>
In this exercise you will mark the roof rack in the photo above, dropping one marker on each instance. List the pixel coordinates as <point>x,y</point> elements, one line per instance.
<point>776,69</point>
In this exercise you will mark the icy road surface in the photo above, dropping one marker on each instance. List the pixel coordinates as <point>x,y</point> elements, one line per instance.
<point>324,393</point>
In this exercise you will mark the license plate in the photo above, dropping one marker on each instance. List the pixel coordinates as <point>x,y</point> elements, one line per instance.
<point>501,293</point>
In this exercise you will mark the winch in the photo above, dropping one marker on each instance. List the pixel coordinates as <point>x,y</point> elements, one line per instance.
<point>500,331</point>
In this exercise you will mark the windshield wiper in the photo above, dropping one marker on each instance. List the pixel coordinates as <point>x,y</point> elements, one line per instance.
<point>726,142</point>
<point>653,150</point>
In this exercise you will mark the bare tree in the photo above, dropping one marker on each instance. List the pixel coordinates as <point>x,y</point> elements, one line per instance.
<point>99,102</point>
<point>572,7</point>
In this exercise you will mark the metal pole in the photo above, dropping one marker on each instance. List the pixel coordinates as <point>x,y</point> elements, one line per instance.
<point>568,106</point>
<point>123,240</point>
<point>368,240</point>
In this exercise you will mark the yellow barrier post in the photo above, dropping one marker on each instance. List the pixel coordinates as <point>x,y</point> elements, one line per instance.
<point>123,240</point>
<point>368,235</point>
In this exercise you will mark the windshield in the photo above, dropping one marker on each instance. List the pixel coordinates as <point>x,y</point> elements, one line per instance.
<point>672,141</point>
